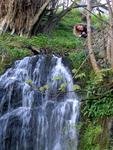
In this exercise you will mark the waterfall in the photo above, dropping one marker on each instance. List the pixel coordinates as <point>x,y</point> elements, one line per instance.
<point>35,119</point>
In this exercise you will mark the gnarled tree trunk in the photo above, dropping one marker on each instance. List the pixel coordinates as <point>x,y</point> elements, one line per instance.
<point>31,16</point>
<point>19,16</point>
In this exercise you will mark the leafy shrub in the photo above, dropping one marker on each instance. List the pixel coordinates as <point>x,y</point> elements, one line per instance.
<point>90,137</point>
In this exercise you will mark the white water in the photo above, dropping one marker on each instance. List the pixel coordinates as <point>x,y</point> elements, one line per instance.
<point>31,120</point>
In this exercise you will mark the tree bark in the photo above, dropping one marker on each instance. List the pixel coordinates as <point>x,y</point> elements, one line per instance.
<point>27,17</point>
<point>110,37</point>
<point>37,16</point>
<point>111,22</point>
<point>108,49</point>
<point>91,52</point>
<point>20,16</point>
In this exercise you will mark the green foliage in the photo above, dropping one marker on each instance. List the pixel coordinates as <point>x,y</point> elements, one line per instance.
<point>57,78</point>
<point>81,68</point>
<point>80,76</point>
<point>99,21</point>
<point>10,50</point>
<point>29,82</point>
<point>99,99</point>
<point>70,20</point>
<point>76,87</point>
<point>77,59</point>
<point>43,88</point>
<point>62,87</point>
<point>90,137</point>
<point>98,106</point>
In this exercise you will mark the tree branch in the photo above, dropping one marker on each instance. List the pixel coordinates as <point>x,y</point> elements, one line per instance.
<point>37,16</point>
<point>94,6</point>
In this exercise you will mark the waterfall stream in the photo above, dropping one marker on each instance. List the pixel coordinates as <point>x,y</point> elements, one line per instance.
<point>31,119</point>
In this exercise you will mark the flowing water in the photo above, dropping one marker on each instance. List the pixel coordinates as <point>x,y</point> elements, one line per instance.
<point>32,118</point>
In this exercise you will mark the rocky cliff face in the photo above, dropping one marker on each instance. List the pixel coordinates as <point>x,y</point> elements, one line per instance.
<point>99,44</point>
<point>99,40</point>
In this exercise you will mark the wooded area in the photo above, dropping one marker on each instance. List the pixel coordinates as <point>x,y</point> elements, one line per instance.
<point>31,16</point>
<point>45,28</point>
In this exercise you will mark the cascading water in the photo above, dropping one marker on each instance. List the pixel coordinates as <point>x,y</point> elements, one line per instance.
<point>35,120</point>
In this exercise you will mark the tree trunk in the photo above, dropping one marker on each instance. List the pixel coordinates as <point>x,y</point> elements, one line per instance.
<point>108,49</point>
<point>20,16</point>
<point>91,53</point>
<point>37,16</point>
<point>110,37</point>
<point>31,16</point>
<point>111,22</point>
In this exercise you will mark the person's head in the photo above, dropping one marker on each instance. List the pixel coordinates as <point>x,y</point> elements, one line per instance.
<point>79,27</point>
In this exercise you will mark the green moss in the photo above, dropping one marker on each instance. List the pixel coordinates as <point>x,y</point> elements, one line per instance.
<point>10,50</point>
